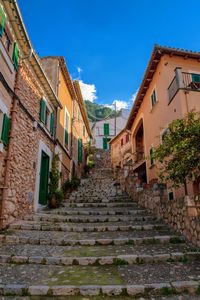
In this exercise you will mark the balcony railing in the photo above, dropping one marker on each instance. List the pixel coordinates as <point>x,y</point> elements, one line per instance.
<point>138,155</point>
<point>183,80</point>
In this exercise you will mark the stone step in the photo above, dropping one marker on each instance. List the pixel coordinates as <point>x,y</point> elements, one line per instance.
<point>90,241</point>
<point>132,280</point>
<point>80,227</point>
<point>87,219</point>
<point>85,235</point>
<point>116,260</point>
<point>96,212</point>
<point>97,251</point>
<point>102,204</point>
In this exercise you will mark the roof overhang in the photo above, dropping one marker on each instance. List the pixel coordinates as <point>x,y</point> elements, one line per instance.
<point>157,53</point>
<point>82,106</point>
<point>26,50</point>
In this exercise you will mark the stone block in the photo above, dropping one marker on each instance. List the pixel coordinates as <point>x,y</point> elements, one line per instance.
<point>133,290</point>
<point>112,290</point>
<point>38,290</point>
<point>64,290</point>
<point>89,290</point>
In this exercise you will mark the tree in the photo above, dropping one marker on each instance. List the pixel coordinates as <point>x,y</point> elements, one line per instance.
<point>179,153</point>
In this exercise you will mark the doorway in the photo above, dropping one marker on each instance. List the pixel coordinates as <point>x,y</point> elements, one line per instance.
<point>44,178</point>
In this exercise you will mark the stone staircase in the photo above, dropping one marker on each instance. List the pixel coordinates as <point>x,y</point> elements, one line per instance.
<point>98,245</point>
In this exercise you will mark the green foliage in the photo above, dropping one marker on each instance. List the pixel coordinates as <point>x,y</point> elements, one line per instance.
<point>71,184</point>
<point>179,154</point>
<point>54,177</point>
<point>98,111</point>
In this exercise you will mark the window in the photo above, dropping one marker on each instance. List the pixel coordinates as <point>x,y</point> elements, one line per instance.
<point>80,151</point>
<point>171,195</point>
<point>83,130</point>
<point>5,129</point>
<point>7,40</point>
<point>66,129</point>
<point>151,157</point>
<point>153,98</point>
<point>122,142</point>
<point>46,116</point>
<point>15,56</point>
<point>2,20</point>
<point>164,134</point>
<point>127,138</point>
<point>106,129</point>
<point>79,115</point>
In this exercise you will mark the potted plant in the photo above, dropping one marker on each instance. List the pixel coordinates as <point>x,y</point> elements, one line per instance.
<point>55,195</point>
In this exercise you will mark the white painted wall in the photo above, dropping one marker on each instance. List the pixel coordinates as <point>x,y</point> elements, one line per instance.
<point>98,128</point>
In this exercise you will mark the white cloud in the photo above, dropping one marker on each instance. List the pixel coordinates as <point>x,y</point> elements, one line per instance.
<point>79,70</point>
<point>88,91</point>
<point>119,104</point>
<point>134,96</point>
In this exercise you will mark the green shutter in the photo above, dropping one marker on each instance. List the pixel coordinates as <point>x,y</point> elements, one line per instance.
<point>5,130</point>
<point>42,111</point>
<point>80,151</point>
<point>66,137</point>
<point>151,157</point>
<point>196,77</point>
<point>106,129</point>
<point>105,144</point>
<point>2,20</point>
<point>15,56</point>
<point>52,124</point>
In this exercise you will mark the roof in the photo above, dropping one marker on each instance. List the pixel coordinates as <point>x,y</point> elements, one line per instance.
<point>157,53</point>
<point>26,50</point>
<point>117,136</point>
<point>82,106</point>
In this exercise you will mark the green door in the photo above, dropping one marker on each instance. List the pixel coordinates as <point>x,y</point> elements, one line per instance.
<point>44,178</point>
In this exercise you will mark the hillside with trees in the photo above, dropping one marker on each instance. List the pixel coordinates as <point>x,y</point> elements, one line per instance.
<point>96,111</point>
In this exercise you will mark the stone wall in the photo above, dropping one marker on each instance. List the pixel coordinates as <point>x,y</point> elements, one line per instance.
<point>25,147</point>
<point>182,214</point>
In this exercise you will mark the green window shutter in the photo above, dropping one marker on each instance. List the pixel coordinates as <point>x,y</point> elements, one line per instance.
<point>15,56</point>
<point>2,20</point>
<point>5,130</point>
<point>151,157</point>
<point>105,144</point>
<point>106,129</point>
<point>52,124</point>
<point>80,151</point>
<point>66,137</point>
<point>42,111</point>
<point>196,77</point>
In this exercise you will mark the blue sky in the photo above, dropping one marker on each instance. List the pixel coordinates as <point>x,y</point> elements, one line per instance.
<point>107,43</point>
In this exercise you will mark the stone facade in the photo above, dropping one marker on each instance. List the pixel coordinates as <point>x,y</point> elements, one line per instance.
<point>25,146</point>
<point>181,214</point>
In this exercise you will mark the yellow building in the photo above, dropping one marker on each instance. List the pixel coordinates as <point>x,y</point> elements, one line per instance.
<point>81,132</point>
<point>58,74</point>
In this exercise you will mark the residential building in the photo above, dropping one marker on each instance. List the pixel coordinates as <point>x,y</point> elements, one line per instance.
<point>59,76</point>
<point>104,130</point>
<point>82,134</point>
<point>121,149</point>
<point>169,90</point>
<point>28,136</point>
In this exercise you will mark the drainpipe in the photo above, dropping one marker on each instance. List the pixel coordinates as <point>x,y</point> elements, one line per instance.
<point>8,155</point>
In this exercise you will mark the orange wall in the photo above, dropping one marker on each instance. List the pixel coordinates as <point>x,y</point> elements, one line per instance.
<point>158,118</point>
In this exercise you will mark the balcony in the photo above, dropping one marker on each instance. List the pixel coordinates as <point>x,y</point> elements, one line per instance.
<point>138,156</point>
<point>183,80</point>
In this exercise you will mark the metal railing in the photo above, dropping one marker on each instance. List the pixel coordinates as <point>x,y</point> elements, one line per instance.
<point>188,81</point>
<point>138,155</point>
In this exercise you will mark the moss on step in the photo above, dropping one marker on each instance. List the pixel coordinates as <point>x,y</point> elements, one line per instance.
<point>79,275</point>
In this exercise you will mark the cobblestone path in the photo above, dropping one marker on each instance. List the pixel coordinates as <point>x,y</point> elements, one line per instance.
<point>98,245</point>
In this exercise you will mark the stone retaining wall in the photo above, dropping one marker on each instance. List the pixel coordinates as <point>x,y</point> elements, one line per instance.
<point>182,214</point>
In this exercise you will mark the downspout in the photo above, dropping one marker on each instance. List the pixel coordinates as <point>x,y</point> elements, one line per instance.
<point>8,156</point>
